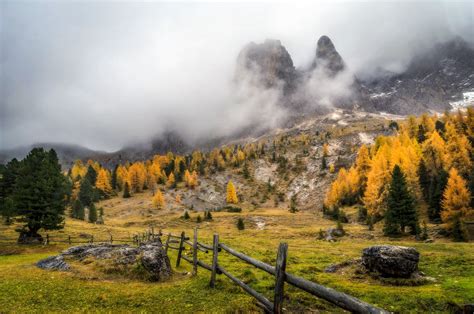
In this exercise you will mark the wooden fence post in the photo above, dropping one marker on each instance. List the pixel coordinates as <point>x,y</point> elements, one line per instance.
<point>167,243</point>
<point>69,239</point>
<point>47,238</point>
<point>111,239</point>
<point>280,268</point>
<point>92,238</point>
<point>215,251</point>
<point>180,249</point>
<point>195,249</point>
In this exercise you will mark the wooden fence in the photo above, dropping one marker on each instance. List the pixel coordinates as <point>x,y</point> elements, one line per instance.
<point>340,299</point>
<point>179,243</point>
<point>135,239</point>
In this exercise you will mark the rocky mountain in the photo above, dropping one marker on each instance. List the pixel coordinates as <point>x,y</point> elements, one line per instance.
<point>327,57</point>
<point>432,80</point>
<point>268,64</point>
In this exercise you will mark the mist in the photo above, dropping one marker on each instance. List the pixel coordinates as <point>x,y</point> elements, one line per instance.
<point>107,74</point>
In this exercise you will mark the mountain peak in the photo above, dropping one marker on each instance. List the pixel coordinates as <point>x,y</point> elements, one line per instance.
<point>327,55</point>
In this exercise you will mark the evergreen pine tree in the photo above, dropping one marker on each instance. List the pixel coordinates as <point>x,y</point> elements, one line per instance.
<point>401,211</point>
<point>126,190</point>
<point>91,175</point>
<point>424,180</point>
<point>198,219</point>
<point>186,215</point>
<point>40,193</point>
<point>458,230</point>
<point>435,195</point>
<point>8,176</point>
<point>209,215</point>
<point>293,208</point>
<point>86,192</point>
<point>92,214</point>
<point>240,224</point>
<point>113,180</point>
<point>77,209</point>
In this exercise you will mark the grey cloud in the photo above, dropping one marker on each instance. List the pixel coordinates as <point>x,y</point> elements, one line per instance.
<point>105,74</point>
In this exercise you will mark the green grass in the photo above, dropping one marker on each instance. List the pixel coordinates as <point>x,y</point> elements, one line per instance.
<point>25,288</point>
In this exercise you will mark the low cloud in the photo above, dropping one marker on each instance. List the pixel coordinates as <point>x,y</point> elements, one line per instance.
<point>107,74</point>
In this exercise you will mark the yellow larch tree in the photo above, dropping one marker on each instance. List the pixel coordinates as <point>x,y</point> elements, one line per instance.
<point>231,196</point>
<point>158,200</point>
<point>378,180</point>
<point>433,153</point>
<point>122,176</point>
<point>137,177</point>
<point>78,170</point>
<point>362,165</point>
<point>456,199</point>
<point>170,183</point>
<point>103,182</point>
<point>457,151</point>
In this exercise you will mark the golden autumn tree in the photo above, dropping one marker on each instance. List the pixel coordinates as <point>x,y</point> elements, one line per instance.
<point>231,195</point>
<point>171,182</point>
<point>103,182</point>
<point>362,165</point>
<point>378,180</point>
<point>158,200</point>
<point>456,199</point>
<point>137,177</point>
<point>122,176</point>
<point>78,170</point>
<point>433,153</point>
<point>457,151</point>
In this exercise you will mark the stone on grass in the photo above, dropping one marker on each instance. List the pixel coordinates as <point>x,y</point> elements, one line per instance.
<point>391,261</point>
<point>149,259</point>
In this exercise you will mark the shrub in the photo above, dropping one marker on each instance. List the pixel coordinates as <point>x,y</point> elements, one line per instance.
<point>240,224</point>
<point>233,209</point>
<point>186,215</point>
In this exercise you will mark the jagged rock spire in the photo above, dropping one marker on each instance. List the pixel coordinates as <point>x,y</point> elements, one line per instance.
<point>327,56</point>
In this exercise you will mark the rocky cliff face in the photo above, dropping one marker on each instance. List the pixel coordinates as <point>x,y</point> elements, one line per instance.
<point>268,64</point>
<point>327,57</point>
<point>431,81</point>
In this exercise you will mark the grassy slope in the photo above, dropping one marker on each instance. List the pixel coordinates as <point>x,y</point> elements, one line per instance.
<point>24,288</point>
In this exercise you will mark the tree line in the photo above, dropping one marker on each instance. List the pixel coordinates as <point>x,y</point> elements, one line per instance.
<point>427,163</point>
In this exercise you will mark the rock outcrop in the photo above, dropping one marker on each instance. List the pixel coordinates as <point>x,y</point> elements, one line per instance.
<point>391,261</point>
<point>124,259</point>
<point>327,56</point>
<point>268,63</point>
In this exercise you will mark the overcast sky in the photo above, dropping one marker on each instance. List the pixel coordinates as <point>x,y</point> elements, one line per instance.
<point>104,74</point>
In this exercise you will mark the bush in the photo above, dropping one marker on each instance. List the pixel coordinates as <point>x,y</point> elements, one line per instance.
<point>186,215</point>
<point>233,209</point>
<point>362,214</point>
<point>240,224</point>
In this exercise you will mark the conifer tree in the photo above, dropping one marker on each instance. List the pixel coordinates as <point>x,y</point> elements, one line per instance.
<point>158,200</point>
<point>126,191</point>
<point>240,224</point>
<point>86,192</point>
<point>198,219</point>
<point>8,176</point>
<point>456,200</point>
<point>92,214</point>
<point>245,171</point>
<point>435,195</point>
<point>231,195</point>
<point>186,215</point>
<point>40,193</point>
<point>424,180</point>
<point>113,181</point>
<point>91,175</point>
<point>401,211</point>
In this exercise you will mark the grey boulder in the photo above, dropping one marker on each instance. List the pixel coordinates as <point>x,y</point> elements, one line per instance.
<point>391,261</point>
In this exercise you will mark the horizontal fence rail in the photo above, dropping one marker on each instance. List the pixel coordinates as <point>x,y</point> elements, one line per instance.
<point>337,298</point>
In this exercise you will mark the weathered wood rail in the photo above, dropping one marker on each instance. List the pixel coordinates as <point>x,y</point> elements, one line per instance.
<point>275,305</point>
